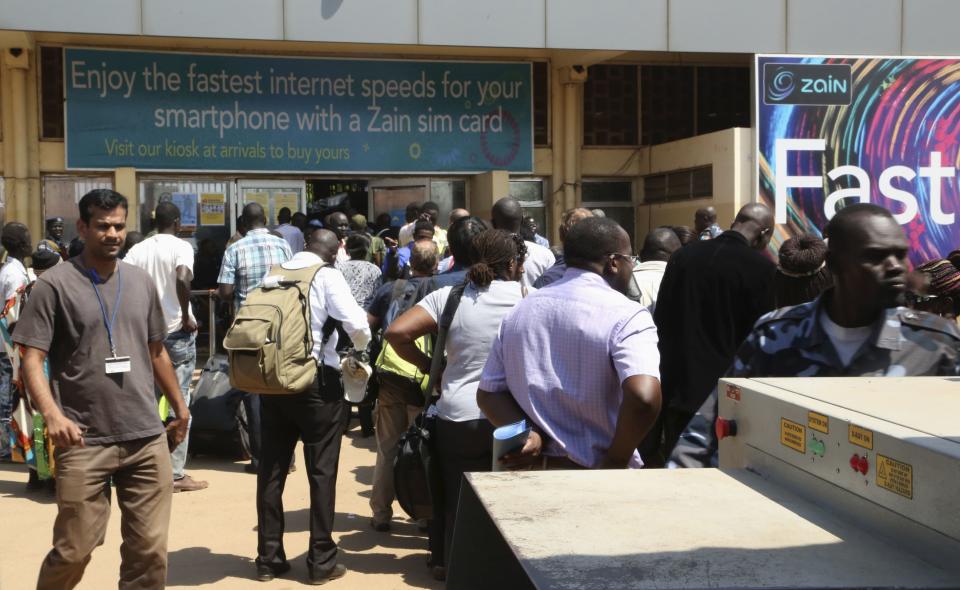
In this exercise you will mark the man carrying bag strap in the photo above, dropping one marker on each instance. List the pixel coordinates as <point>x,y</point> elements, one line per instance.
<point>314,415</point>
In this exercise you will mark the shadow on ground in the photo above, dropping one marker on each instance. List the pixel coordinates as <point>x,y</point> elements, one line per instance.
<point>16,487</point>
<point>195,566</point>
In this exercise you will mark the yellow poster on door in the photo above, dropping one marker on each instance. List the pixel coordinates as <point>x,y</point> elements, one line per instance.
<point>258,197</point>
<point>212,206</point>
<point>289,200</point>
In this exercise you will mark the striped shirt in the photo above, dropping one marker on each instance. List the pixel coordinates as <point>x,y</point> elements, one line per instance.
<point>247,260</point>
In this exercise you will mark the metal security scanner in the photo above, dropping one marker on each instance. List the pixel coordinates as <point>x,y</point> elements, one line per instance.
<point>823,483</point>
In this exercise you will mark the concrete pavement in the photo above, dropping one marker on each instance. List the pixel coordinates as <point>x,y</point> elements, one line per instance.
<point>213,532</point>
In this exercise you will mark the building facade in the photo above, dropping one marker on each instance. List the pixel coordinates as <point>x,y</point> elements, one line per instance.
<point>641,108</point>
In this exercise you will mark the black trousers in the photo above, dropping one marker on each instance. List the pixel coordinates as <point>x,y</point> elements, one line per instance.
<point>315,417</point>
<point>663,436</point>
<point>461,447</point>
<point>251,403</point>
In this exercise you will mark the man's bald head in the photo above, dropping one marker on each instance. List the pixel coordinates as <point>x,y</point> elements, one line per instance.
<point>704,218</point>
<point>423,258</point>
<point>322,242</point>
<point>458,214</point>
<point>754,222</point>
<point>507,214</point>
<point>253,216</point>
<point>660,244</point>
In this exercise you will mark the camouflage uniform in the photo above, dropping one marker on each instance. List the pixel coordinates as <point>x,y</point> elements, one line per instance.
<point>790,342</point>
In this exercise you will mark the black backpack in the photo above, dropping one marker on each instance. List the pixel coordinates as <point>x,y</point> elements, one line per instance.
<point>414,476</point>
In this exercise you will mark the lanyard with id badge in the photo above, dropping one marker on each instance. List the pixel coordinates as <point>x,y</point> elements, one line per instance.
<point>113,364</point>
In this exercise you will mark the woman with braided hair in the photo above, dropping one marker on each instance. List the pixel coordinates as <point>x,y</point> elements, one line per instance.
<point>464,437</point>
<point>942,297</point>
<point>802,272</point>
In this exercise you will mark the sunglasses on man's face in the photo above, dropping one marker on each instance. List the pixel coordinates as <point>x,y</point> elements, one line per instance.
<point>634,260</point>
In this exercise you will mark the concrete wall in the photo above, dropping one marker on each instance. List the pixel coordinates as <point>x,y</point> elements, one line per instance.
<point>907,27</point>
<point>729,152</point>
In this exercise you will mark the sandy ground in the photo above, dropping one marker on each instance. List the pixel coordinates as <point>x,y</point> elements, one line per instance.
<point>212,532</point>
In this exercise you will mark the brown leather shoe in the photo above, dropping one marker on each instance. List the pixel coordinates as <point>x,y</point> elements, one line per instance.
<point>188,484</point>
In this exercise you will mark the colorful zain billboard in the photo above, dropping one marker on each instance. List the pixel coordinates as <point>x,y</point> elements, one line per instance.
<point>832,131</point>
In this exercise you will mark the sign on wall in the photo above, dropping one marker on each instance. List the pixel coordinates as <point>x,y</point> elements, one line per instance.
<point>832,131</point>
<point>177,111</point>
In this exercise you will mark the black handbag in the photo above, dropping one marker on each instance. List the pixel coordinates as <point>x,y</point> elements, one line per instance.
<point>414,476</point>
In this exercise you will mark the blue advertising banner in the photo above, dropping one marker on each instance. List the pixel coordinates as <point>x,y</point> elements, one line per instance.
<point>832,131</point>
<point>178,111</point>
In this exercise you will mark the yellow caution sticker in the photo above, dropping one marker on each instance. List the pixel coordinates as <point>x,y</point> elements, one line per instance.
<point>793,435</point>
<point>818,422</point>
<point>860,436</point>
<point>895,476</point>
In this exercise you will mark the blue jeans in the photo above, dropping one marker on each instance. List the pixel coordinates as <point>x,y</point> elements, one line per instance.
<point>6,405</point>
<point>182,349</point>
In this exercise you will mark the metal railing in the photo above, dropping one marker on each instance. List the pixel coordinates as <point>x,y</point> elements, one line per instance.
<point>212,300</point>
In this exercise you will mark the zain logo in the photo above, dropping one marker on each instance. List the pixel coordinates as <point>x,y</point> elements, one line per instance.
<point>781,85</point>
<point>807,84</point>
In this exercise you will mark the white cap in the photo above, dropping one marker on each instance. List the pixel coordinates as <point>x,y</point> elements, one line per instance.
<point>355,375</point>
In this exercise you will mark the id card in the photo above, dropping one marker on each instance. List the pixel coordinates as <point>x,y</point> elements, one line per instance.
<point>117,364</point>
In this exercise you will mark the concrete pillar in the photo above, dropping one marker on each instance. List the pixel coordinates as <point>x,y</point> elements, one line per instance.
<point>572,79</point>
<point>125,183</point>
<point>16,63</point>
<point>486,189</point>
<point>558,133</point>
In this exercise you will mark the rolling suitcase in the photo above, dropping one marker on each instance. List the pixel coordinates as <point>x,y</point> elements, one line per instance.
<point>219,421</point>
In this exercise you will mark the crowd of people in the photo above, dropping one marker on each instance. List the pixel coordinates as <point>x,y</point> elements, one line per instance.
<point>611,358</point>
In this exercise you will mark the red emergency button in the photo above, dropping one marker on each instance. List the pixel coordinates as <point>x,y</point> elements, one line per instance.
<point>725,428</point>
<point>863,465</point>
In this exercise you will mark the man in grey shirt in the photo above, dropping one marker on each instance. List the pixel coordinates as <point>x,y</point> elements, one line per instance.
<point>98,322</point>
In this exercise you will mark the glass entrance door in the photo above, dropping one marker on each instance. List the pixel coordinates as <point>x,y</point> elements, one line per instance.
<point>273,195</point>
<point>392,195</point>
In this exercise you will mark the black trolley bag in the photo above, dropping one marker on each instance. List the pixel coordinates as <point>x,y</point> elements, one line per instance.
<point>219,424</point>
<point>414,477</point>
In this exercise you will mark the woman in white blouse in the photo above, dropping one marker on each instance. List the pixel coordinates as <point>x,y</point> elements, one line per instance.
<point>464,437</point>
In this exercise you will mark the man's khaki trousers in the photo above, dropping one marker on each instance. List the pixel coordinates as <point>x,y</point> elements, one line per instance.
<point>392,418</point>
<point>143,478</point>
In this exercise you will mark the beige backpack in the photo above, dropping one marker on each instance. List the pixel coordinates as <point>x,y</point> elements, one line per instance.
<point>270,344</point>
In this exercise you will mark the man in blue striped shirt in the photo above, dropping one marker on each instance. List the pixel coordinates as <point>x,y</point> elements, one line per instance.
<point>245,263</point>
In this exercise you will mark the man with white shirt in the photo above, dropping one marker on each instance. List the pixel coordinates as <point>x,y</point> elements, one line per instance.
<point>658,246</point>
<point>507,214</point>
<point>314,416</point>
<point>13,279</point>
<point>169,262</point>
<point>291,233</point>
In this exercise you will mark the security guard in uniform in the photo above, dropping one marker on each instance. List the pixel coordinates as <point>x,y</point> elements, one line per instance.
<point>855,329</point>
<point>53,241</point>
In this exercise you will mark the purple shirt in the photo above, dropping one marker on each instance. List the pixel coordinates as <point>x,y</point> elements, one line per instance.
<point>563,354</point>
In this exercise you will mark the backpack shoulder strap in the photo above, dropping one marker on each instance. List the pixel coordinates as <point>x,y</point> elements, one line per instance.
<point>443,326</point>
<point>303,280</point>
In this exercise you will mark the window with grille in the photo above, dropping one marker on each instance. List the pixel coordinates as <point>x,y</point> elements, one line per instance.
<point>530,194</point>
<point>684,101</point>
<point>541,103</point>
<point>51,93</point>
<point>723,98</point>
<point>678,185</point>
<point>667,103</point>
<point>614,198</point>
<point>611,105</point>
